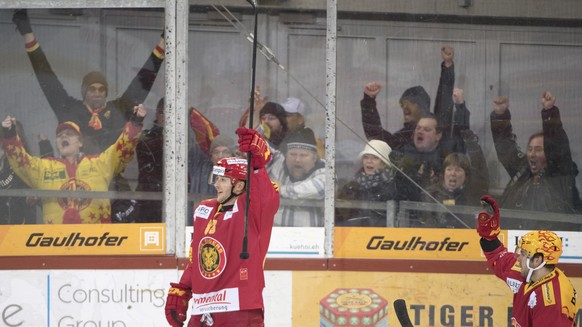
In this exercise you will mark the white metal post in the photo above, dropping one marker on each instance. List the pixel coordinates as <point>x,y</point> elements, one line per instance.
<point>330,106</point>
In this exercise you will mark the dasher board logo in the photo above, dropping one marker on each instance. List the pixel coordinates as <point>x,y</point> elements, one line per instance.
<point>407,243</point>
<point>152,239</point>
<point>82,239</point>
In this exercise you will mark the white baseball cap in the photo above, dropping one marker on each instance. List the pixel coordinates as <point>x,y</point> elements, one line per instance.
<point>294,106</point>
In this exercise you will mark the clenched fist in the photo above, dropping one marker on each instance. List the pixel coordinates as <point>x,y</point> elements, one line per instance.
<point>372,89</point>
<point>548,100</point>
<point>448,54</point>
<point>458,96</point>
<point>500,104</point>
<point>8,122</point>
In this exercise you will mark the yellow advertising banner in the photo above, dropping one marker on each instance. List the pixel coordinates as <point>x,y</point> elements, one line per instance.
<point>342,298</point>
<point>408,243</point>
<point>97,239</point>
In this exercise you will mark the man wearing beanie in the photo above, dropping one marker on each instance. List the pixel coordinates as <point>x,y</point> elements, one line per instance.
<point>274,117</point>
<point>295,111</point>
<point>415,103</point>
<point>301,176</point>
<point>101,121</point>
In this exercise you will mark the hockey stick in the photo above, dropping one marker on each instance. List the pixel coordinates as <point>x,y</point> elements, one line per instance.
<point>244,254</point>
<point>402,313</point>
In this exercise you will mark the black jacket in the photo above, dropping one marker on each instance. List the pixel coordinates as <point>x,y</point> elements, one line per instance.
<point>452,118</point>
<point>556,190</point>
<point>113,117</point>
<point>379,187</point>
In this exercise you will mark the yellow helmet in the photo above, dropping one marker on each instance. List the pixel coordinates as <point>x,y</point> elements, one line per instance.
<point>544,242</point>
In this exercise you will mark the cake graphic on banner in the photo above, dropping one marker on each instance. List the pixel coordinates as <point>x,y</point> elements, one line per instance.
<point>357,307</point>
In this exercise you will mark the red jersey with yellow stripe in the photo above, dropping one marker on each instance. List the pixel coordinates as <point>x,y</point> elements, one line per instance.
<point>550,301</point>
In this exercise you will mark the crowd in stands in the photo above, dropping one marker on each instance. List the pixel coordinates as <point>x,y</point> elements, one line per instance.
<point>435,157</point>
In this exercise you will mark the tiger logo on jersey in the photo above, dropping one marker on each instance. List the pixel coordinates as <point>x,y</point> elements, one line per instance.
<point>74,185</point>
<point>211,258</point>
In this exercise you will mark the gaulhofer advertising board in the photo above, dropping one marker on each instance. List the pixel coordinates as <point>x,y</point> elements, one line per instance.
<point>98,239</point>
<point>408,243</point>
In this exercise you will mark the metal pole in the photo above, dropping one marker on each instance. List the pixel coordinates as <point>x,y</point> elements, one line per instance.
<point>330,104</point>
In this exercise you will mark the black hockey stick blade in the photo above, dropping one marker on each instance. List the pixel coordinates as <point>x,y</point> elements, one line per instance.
<point>402,313</point>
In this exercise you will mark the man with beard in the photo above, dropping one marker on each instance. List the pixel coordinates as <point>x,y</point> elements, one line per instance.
<point>301,176</point>
<point>274,123</point>
<point>543,179</point>
<point>295,111</point>
<point>74,171</point>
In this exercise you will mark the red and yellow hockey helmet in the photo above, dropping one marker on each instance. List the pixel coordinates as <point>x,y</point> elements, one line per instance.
<point>235,168</point>
<point>544,242</point>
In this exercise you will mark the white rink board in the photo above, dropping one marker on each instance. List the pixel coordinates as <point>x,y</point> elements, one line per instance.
<point>112,298</point>
<point>287,242</point>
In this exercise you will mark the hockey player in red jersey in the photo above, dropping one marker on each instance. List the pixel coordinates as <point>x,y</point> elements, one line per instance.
<point>222,288</point>
<point>542,294</point>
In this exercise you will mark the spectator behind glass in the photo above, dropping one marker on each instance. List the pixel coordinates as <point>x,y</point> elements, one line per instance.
<point>465,178</point>
<point>150,160</point>
<point>543,179</point>
<point>415,103</point>
<point>274,122</point>
<point>374,181</point>
<point>74,170</point>
<point>208,149</point>
<point>201,163</point>
<point>301,176</point>
<point>100,121</point>
<point>14,210</point>
<point>295,111</point>
<point>422,161</point>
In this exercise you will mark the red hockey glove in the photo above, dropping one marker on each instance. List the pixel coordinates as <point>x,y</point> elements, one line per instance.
<point>177,304</point>
<point>251,141</point>
<point>488,221</point>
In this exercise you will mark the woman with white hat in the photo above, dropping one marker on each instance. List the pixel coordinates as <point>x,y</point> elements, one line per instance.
<point>374,181</point>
